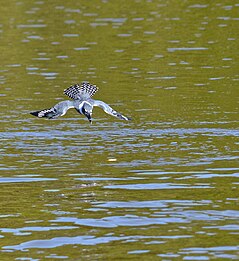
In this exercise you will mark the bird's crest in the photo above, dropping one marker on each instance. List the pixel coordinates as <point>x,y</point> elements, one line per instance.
<point>85,90</point>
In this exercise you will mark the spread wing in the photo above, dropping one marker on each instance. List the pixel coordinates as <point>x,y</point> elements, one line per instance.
<point>48,113</point>
<point>59,109</point>
<point>83,91</point>
<point>109,110</point>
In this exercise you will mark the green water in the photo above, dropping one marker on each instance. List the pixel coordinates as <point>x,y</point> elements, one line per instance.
<point>161,187</point>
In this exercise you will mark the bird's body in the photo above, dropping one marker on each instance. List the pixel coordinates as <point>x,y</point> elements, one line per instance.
<point>82,102</point>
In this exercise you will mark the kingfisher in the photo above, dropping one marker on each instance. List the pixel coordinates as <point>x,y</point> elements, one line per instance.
<point>81,100</point>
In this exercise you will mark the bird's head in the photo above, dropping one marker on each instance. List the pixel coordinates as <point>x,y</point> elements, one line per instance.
<point>87,111</point>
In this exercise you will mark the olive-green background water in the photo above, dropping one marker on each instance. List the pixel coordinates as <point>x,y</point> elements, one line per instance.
<point>161,187</point>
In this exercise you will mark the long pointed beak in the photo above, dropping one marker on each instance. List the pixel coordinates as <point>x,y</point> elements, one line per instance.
<point>88,115</point>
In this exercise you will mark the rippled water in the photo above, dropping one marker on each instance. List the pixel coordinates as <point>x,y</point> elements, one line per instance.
<point>161,187</point>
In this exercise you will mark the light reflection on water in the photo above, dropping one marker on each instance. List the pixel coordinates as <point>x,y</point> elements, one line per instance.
<point>17,180</point>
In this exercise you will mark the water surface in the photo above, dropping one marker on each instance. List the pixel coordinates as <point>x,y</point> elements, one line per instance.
<point>161,187</point>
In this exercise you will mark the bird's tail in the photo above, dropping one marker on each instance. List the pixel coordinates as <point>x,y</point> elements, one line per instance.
<point>77,91</point>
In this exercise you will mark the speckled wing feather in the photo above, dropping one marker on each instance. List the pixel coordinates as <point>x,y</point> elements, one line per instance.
<point>83,91</point>
<point>48,113</point>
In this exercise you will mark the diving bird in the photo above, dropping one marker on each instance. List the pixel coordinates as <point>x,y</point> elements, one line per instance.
<point>81,101</point>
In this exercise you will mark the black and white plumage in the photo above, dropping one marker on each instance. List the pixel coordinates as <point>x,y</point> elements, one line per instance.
<point>85,90</point>
<point>81,101</point>
<point>59,109</point>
